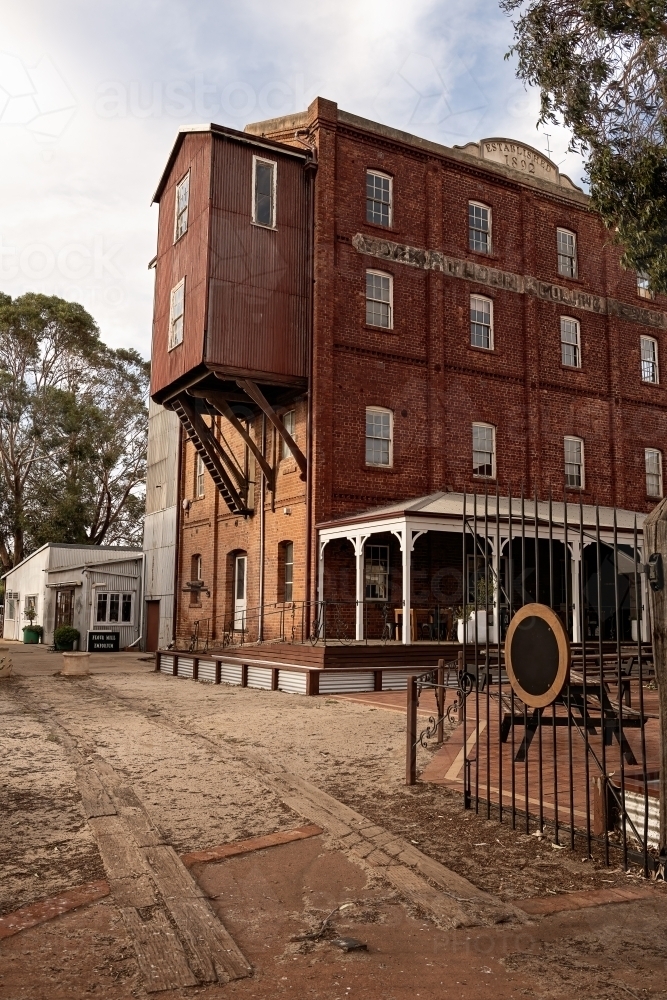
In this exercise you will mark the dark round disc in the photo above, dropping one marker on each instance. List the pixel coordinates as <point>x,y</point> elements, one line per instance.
<point>535,655</point>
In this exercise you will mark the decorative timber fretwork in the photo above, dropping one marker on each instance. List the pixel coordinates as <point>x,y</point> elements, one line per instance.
<point>468,270</point>
<point>257,396</point>
<point>220,402</point>
<point>211,453</point>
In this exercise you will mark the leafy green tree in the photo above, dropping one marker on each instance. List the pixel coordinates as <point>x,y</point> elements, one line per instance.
<point>73,427</point>
<point>601,66</point>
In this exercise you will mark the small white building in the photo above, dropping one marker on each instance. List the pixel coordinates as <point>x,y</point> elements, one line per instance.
<point>90,587</point>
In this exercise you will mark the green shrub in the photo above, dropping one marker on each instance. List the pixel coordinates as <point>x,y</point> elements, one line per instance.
<point>65,635</point>
<point>34,628</point>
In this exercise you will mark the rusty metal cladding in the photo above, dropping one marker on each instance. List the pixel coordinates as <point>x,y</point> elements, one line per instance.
<point>258,277</point>
<point>185,259</point>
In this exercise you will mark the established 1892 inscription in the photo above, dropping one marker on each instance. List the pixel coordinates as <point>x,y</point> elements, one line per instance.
<point>519,157</point>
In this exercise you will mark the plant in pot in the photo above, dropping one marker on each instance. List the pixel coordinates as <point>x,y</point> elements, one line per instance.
<point>31,633</point>
<point>64,638</point>
<point>475,623</point>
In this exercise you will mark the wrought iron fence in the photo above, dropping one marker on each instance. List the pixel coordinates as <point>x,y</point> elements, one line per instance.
<point>584,767</point>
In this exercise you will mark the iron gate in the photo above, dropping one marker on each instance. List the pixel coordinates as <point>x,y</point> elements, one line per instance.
<point>586,766</point>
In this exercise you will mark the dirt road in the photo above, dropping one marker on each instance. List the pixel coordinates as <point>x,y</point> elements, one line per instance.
<point>132,768</point>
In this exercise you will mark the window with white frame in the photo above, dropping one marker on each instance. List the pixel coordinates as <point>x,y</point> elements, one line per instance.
<point>199,475</point>
<point>567,253</point>
<point>379,297</point>
<point>112,607</point>
<point>643,288</point>
<point>378,198</point>
<point>264,192</point>
<point>379,445</point>
<point>288,571</point>
<point>484,450</point>
<point>176,314</point>
<point>182,203</point>
<point>377,572</point>
<point>649,355</point>
<point>481,322</point>
<point>289,422</point>
<point>10,607</point>
<point>479,227</point>
<point>574,462</point>
<point>570,347</point>
<point>653,464</point>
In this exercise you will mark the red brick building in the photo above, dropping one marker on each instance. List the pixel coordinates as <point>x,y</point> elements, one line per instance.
<point>348,317</point>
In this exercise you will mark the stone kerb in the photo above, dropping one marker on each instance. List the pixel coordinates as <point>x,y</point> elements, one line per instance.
<point>75,665</point>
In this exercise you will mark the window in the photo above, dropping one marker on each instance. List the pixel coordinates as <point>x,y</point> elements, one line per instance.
<point>379,295</point>
<point>567,253</point>
<point>10,607</point>
<point>182,202</point>
<point>484,450</point>
<point>643,288</point>
<point>653,462</point>
<point>114,608</point>
<point>195,578</point>
<point>30,604</point>
<point>264,192</point>
<point>574,462</point>
<point>377,572</point>
<point>481,322</point>
<point>289,420</point>
<point>288,571</point>
<point>379,450</point>
<point>176,312</point>
<point>378,198</point>
<point>199,475</point>
<point>479,227</point>
<point>569,342</point>
<point>649,353</point>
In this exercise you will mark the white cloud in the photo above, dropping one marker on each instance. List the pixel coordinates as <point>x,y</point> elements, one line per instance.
<point>91,96</point>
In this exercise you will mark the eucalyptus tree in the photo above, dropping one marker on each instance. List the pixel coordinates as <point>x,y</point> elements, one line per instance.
<point>601,67</point>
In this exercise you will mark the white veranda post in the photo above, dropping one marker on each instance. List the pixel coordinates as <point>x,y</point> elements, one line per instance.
<point>406,551</point>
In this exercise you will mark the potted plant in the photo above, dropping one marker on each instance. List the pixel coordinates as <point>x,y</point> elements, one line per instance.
<point>31,633</point>
<point>474,622</point>
<point>65,638</point>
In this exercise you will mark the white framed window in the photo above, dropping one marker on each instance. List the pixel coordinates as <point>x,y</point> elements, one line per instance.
<point>649,356</point>
<point>574,462</point>
<point>643,287</point>
<point>379,198</point>
<point>481,322</point>
<point>10,607</point>
<point>176,314</point>
<point>182,204</point>
<point>114,608</point>
<point>376,559</point>
<point>30,604</point>
<point>379,436</point>
<point>264,192</point>
<point>653,465</point>
<point>288,572</point>
<point>479,227</point>
<point>570,346</point>
<point>566,243</point>
<point>379,299</point>
<point>200,468</point>
<point>484,451</point>
<point>289,421</point>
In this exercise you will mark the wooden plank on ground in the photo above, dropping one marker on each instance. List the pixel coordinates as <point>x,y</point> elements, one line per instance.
<point>445,910</point>
<point>213,954</point>
<point>47,909</point>
<point>160,956</point>
<point>246,846</point>
<point>544,905</point>
<point>94,799</point>
<point>121,857</point>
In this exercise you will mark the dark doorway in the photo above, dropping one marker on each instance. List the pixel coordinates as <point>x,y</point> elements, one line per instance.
<point>64,607</point>
<point>152,625</point>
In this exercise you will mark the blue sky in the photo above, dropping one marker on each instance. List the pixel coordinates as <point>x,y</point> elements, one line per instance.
<point>92,95</point>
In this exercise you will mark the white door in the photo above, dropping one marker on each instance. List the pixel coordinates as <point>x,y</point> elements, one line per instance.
<point>240,574</point>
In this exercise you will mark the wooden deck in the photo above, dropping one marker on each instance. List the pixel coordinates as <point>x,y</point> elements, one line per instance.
<point>333,655</point>
<point>501,772</point>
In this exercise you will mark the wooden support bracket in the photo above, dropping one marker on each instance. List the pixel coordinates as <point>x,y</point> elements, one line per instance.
<point>220,401</point>
<point>257,396</point>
